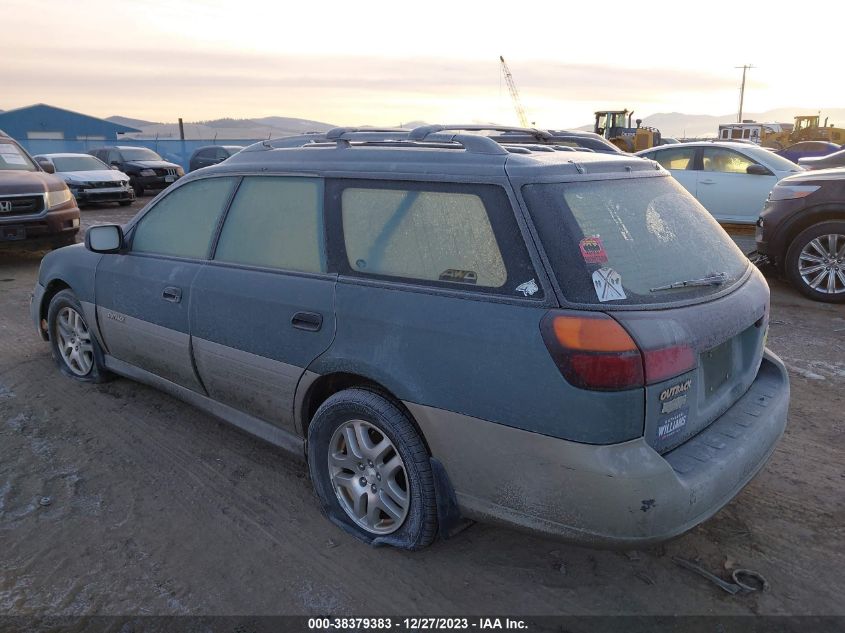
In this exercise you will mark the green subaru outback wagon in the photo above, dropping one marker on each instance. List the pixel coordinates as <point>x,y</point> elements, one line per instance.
<point>444,324</point>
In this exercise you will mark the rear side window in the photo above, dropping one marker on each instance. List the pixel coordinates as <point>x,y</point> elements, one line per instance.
<point>675,158</point>
<point>645,233</point>
<point>275,223</point>
<point>182,223</point>
<point>438,234</point>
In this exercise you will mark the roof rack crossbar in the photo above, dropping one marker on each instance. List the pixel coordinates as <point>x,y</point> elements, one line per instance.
<point>419,133</point>
<point>347,132</point>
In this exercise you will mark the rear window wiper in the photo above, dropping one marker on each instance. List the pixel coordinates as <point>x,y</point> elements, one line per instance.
<point>716,279</point>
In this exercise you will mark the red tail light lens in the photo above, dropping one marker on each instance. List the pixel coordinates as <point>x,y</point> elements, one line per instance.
<point>593,352</point>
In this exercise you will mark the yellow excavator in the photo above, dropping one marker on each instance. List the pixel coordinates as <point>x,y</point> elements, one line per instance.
<point>806,128</point>
<point>615,126</point>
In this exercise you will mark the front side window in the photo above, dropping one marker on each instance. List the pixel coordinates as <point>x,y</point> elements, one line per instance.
<point>183,222</point>
<point>725,161</point>
<point>675,158</point>
<point>275,222</point>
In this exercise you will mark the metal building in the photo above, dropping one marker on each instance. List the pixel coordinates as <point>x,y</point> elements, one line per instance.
<point>46,122</point>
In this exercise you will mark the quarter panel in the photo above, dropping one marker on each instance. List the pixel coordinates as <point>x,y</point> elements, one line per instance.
<point>478,358</point>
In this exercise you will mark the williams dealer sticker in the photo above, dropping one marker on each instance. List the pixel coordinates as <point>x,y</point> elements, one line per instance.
<point>592,250</point>
<point>673,424</point>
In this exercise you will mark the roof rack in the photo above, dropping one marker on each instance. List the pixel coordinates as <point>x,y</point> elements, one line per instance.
<point>346,132</point>
<point>419,133</point>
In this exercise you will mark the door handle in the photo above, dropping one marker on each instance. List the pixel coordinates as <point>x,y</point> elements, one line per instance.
<point>172,294</point>
<point>308,321</point>
<point>707,182</point>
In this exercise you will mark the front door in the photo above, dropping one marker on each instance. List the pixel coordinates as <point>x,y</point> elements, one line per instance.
<point>263,308</point>
<point>727,190</point>
<point>143,296</point>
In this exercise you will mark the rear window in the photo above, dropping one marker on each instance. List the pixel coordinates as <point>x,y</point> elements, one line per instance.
<point>614,242</point>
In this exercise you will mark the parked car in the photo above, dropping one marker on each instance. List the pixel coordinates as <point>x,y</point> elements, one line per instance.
<point>443,327</point>
<point>731,180</point>
<point>802,232</point>
<point>836,159</point>
<point>211,155</point>
<point>35,206</point>
<point>89,179</point>
<point>808,149</point>
<point>145,168</point>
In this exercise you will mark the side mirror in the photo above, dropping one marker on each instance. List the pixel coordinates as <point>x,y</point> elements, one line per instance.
<point>757,170</point>
<point>47,166</point>
<point>105,238</point>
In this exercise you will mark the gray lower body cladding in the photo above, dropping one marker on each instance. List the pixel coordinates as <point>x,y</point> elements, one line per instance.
<point>618,495</point>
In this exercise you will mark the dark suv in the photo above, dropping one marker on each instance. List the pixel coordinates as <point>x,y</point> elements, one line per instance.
<point>211,155</point>
<point>801,230</point>
<point>442,325</point>
<point>35,206</point>
<point>145,168</point>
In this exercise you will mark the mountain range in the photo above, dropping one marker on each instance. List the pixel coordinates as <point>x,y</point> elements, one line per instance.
<point>676,124</point>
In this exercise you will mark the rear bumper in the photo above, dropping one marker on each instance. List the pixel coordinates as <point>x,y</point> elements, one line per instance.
<point>620,495</point>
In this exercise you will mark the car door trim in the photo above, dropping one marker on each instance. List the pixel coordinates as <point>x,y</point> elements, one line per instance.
<point>252,425</point>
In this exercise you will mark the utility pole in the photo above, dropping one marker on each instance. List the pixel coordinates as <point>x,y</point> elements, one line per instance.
<point>744,67</point>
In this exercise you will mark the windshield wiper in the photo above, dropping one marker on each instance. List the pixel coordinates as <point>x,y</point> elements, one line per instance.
<point>716,279</point>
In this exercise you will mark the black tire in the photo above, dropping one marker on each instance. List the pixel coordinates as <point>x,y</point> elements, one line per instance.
<point>138,189</point>
<point>419,526</point>
<point>98,372</point>
<point>124,203</point>
<point>793,253</point>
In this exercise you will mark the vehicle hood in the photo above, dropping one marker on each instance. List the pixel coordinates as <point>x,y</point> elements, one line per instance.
<point>834,173</point>
<point>15,182</point>
<point>151,164</point>
<point>96,175</point>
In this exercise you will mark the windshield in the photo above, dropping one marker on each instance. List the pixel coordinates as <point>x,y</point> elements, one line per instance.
<point>139,153</point>
<point>13,159</point>
<point>78,163</point>
<point>611,242</point>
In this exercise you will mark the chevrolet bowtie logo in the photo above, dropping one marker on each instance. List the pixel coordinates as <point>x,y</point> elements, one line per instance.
<point>5,206</point>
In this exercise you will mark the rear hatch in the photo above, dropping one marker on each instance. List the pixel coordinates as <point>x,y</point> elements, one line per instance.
<point>619,246</point>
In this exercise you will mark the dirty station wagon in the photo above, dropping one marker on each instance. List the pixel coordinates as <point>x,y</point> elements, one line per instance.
<point>445,327</point>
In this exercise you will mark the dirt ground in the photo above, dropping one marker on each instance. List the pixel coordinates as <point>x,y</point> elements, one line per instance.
<point>118,499</point>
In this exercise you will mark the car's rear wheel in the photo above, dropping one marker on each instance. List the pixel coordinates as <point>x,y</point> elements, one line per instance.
<point>371,470</point>
<point>815,262</point>
<point>74,346</point>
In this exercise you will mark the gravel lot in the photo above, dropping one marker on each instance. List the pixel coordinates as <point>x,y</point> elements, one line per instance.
<point>156,508</point>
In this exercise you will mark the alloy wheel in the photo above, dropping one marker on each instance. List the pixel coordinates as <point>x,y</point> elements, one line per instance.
<point>821,264</point>
<point>74,341</point>
<point>368,477</point>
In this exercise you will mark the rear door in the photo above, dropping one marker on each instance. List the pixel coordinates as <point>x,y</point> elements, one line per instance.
<point>727,190</point>
<point>263,308</point>
<point>143,296</point>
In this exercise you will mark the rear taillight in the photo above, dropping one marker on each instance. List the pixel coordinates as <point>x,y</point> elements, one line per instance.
<point>595,352</point>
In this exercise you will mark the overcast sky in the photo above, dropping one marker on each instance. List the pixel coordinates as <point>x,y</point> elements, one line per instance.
<point>384,63</point>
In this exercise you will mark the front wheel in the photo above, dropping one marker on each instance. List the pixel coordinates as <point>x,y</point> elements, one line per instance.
<point>371,470</point>
<point>137,188</point>
<point>815,262</point>
<point>74,346</point>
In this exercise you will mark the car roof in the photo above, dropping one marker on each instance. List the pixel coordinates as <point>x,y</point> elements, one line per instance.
<point>64,155</point>
<point>428,150</point>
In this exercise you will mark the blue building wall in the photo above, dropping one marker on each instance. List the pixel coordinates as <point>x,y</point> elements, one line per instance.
<point>42,118</point>
<point>174,150</point>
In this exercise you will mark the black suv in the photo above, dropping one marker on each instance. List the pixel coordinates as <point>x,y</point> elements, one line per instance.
<point>211,155</point>
<point>802,232</point>
<point>35,206</point>
<point>145,168</point>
